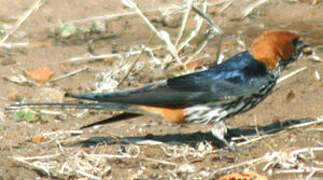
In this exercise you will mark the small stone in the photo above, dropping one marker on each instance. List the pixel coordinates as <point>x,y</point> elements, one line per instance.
<point>15,96</point>
<point>173,21</point>
<point>290,96</point>
<point>62,117</point>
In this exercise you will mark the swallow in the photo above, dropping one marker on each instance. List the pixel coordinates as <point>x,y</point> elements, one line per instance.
<point>210,96</point>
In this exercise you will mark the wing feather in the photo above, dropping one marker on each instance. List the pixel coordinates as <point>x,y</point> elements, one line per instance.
<point>224,82</point>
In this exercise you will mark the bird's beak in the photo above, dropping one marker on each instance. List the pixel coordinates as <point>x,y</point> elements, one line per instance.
<point>303,47</point>
<point>307,50</point>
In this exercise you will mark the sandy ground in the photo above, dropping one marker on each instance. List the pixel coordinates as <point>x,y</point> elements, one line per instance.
<point>174,151</point>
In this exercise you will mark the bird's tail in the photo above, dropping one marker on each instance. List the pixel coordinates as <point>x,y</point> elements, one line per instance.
<point>77,105</point>
<point>130,111</point>
<point>119,117</point>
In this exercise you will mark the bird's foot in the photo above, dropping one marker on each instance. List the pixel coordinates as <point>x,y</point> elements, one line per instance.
<point>231,147</point>
<point>219,130</point>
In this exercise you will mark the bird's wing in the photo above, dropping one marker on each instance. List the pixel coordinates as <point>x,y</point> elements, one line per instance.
<point>186,90</point>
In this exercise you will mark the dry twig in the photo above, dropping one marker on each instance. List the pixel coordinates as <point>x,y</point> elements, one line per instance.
<point>22,19</point>
<point>283,78</point>
<point>164,36</point>
<point>87,58</point>
<point>250,8</point>
<point>69,74</point>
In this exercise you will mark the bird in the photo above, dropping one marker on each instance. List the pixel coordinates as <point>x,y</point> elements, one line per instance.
<point>210,96</point>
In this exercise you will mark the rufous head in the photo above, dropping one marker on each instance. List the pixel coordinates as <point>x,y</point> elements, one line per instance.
<point>275,48</point>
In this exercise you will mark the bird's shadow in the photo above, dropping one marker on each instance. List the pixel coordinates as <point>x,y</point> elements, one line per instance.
<point>194,139</point>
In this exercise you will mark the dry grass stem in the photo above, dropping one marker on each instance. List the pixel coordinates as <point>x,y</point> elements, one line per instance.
<point>267,134</point>
<point>110,156</point>
<point>293,162</point>
<point>69,74</point>
<point>63,136</point>
<point>37,157</point>
<point>250,8</point>
<point>194,32</point>
<point>118,15</point>
<point>132,66</point>
<point>36,166</point>
<point>103,17</point>
<point>80,164</point>
<point>87,58</point>
<point>226,5</point>
<point>283,78</point>
<point>125,14</point>
<point>63,132</point>
<point>252,162</point>
<point>16,45</point>
<point>214,28</point>
<point>88,175</point>
<point>316,121</point>
<point>163,35</point>
<point>104,56</point>
<point>185,151</point>
<point>22,19</point>
<point>159,161</point>
<point>279,160</point>
<point>184,22</point>
<point>149,142</point>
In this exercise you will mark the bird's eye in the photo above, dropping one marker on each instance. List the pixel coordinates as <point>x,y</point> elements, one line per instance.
<point>295,42</point>
<point>299,44</point>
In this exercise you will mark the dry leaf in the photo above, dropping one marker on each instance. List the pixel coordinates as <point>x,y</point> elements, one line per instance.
<point>195,65</point>
<point>41,74</point>
<point>109,59</point>
<point>249,175</point>
<point>38,139</point>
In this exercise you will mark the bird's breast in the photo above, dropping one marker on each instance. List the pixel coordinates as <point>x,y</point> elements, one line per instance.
<point>216,111</point>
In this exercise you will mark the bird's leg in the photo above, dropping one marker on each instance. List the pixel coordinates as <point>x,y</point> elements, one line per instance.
<point>219,130</point>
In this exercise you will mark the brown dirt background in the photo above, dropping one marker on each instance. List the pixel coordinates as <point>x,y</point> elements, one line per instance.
<point>298,98</point>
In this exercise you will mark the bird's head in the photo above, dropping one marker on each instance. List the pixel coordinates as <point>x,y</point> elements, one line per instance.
<point>277,48</point>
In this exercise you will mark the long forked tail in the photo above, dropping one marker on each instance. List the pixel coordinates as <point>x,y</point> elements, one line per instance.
<point>130,111</point>
<point>78,105</point>
<point>119,117</point>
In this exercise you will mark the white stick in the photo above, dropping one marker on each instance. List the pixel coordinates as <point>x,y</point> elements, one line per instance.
<point>76,59</point>
<point>22,19</point>
<point>184,22</point>
<point>69,74</point>
<point>11,45</point>
<point>291,74</point>
<point>248,10</point>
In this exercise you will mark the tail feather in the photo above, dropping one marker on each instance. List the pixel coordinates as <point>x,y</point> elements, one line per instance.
<point>88,96</point>
<point>119,117</point>
<point>97,106</point>
<point>130,111</point>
